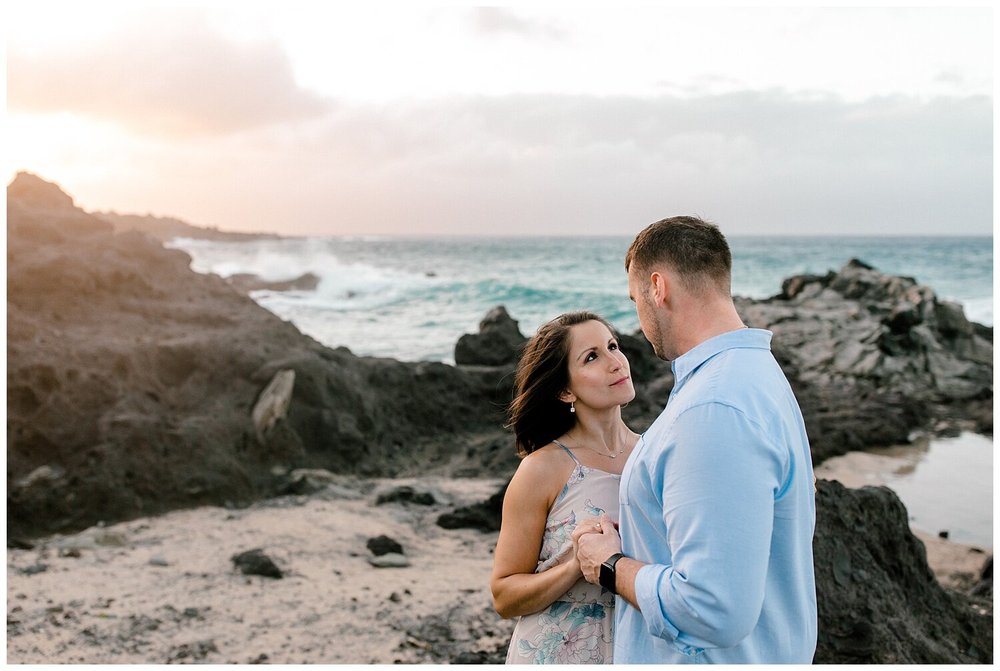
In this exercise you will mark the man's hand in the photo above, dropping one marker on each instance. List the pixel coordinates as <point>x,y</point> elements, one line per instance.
<point>595,539</point>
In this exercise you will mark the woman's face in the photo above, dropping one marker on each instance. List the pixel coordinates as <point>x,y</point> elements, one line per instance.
<point>599,375</point>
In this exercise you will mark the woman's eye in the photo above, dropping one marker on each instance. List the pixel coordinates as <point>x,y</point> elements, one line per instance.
<point>613,346</point>
<point>590,357</point>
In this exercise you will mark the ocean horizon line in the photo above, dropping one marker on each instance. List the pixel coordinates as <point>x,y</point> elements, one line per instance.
<point>598,236</point>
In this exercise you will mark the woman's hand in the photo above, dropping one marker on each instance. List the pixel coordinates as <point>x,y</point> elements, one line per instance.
<point>595,539</point>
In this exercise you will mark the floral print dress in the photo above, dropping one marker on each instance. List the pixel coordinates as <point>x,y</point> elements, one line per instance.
<point>575,629</point>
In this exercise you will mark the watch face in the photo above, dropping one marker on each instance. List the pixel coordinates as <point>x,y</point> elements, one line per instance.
<point>607,578</point>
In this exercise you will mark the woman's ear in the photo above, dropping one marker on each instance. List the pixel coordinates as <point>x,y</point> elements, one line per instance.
<point>567,396</point>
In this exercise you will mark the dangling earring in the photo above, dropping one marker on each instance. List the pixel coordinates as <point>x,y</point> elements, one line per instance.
<point>572,406</point>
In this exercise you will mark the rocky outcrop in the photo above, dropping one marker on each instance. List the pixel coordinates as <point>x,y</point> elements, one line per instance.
<point>878,600</point>
<point>498,342</point>
<point>131,380</point>
<point>248,282</point>
<point>874,357</point>
<point>169,228</point>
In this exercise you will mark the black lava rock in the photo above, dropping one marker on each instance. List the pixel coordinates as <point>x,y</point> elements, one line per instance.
<point>255,562</point>
<point>484,516</point>
<point>879,602</point>
<point>383,545</point>
<point>405,494</point>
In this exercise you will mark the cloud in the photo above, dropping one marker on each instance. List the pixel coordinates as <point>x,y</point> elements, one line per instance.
<point>177,80</point>
<point>498,21</point>
<point>755,162</point>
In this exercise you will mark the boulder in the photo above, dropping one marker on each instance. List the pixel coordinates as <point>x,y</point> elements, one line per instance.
<point>255,562</point>
<point>405,494</point>
<point>381,545</point>
<point>484,516</point>
<point>498,342</point>
<point>879,602</point>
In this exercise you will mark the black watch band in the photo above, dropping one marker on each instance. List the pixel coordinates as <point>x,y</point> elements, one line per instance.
<point>608,572</point>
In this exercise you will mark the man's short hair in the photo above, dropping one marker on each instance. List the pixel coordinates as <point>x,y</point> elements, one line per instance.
<point>696,250</point>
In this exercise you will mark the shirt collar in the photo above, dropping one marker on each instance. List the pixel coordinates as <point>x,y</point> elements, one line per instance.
<point>687,363</point>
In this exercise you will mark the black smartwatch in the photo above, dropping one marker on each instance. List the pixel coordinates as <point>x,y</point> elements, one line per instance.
<point>608,572</point>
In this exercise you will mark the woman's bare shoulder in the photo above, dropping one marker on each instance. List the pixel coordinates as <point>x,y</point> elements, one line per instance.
<point>544,469</point>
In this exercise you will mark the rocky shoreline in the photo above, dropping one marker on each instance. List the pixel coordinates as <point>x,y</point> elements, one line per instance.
<point>137,387</point>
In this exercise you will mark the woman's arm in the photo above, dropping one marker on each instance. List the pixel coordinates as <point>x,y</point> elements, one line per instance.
<point>517,589</point>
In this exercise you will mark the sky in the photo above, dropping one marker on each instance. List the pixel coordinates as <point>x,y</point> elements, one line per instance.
<point>382,118</point>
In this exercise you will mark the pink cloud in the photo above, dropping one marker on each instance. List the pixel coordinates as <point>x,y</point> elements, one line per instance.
<point>178,80</point>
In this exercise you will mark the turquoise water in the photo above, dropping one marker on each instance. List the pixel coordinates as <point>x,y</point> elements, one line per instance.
<point>412,298</point>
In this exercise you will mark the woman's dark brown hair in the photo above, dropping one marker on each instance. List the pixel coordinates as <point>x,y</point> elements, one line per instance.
<point>536,414</point>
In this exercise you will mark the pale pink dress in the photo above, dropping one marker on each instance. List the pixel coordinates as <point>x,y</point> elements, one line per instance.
<point>575,629</point>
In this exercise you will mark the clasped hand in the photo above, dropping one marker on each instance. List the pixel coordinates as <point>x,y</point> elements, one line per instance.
<point>595,539</point>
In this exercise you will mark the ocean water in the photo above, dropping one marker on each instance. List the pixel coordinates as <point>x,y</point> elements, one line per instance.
<point>412,298</point>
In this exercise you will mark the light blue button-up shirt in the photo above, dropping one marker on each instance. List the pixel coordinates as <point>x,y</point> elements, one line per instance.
<point>718,499</point>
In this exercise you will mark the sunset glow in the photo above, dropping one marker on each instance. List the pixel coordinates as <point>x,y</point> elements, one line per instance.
<point>357,117</point>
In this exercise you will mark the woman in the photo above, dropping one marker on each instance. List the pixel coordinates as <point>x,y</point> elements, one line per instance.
<point>566,415</point>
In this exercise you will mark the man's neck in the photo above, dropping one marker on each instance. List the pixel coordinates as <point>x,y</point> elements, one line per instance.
<point>706,322</point>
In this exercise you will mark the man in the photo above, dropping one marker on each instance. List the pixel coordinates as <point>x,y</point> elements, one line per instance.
<point>714,562</point>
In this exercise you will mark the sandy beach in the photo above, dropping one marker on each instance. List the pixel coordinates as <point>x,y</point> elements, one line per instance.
<point>164,589</point>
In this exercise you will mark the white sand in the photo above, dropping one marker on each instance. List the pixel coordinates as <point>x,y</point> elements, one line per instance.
<point>110,605</point>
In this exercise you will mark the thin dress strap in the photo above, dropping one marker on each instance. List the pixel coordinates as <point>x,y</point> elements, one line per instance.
<point>571,455</point>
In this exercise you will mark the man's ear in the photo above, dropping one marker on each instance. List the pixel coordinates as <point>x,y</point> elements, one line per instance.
<point>659,288</point>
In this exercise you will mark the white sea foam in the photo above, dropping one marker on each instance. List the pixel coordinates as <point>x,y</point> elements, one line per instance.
<point>979,310</point>
<point>411,299</point>
<point>343,284</point>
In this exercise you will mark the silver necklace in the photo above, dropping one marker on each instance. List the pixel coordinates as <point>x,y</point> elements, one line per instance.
<point>605,454</point>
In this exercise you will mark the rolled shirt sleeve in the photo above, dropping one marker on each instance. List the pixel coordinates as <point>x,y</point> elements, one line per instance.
<point>717,504</point>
